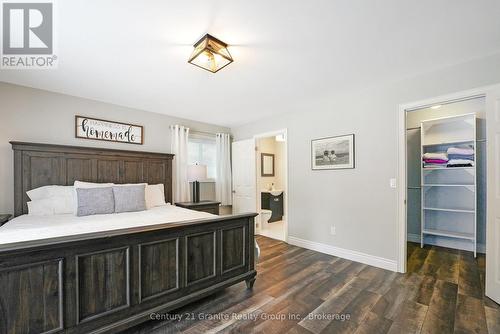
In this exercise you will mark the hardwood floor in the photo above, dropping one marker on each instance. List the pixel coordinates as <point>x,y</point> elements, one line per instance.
<point>302,291</point>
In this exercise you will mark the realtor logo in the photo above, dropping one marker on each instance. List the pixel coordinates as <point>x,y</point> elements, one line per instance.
<point>28,35</point>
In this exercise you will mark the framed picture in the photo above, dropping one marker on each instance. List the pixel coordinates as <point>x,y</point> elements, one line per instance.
<point>100,129</point>
<point>332,152</point>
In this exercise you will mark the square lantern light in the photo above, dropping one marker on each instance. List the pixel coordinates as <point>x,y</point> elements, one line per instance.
<point>210,54</point>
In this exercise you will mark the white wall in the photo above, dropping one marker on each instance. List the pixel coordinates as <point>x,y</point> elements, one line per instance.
<point>34,115</point>
<point>359,202</point>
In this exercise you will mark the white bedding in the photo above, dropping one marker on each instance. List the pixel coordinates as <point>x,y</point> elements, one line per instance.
<point>30,228</point>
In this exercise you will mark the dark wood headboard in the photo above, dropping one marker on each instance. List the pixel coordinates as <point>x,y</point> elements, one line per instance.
<point>37,165</point>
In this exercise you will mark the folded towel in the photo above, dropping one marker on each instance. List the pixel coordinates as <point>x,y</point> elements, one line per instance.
<point>461,156</point>
<point>459,165</point>
<point>434,166</point>
<point>461,150</point>
<point>437,155</point>
<point>435,161</point>
<point>455,162</point>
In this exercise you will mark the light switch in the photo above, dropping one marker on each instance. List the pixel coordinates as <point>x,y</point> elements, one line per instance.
<point>392,183</point>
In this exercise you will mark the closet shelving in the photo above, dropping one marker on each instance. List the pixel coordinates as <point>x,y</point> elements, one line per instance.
<point>449,194</point>
<point>434,168</point>
<point>451,142</point>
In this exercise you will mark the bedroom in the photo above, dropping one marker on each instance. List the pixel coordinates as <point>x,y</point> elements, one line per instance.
<point>339,80</point>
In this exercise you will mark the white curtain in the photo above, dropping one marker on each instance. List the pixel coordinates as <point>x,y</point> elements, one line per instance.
<point>179,147</point>
<point>223,161</point>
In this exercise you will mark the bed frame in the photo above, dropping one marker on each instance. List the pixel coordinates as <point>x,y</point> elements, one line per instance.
<point>108,281</point>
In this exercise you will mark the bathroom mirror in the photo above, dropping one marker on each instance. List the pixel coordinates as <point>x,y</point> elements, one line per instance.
<point>266,164</point>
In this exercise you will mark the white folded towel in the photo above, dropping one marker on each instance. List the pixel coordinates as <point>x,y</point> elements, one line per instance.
<point>461,150</point>
<point>435,156</point>
<point>460,162</point>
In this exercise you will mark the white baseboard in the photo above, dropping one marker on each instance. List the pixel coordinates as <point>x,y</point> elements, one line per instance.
<point>481,248</point>
<point>345,253</point>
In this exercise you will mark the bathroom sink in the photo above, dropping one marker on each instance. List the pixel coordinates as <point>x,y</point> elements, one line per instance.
<point>273,192</point>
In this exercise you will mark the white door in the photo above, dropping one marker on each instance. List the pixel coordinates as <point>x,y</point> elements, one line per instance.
<point>493,200</point>
<point>244,176</point>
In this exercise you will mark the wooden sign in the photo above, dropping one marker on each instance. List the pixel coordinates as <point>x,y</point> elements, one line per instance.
<point>99,129</point>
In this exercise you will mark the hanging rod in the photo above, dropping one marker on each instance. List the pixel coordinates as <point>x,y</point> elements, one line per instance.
<point>446,102</point>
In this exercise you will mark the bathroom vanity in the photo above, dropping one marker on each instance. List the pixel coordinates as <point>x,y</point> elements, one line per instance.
<point>273,200</point>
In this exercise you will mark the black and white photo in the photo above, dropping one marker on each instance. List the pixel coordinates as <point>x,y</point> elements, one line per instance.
<point>333,152</point>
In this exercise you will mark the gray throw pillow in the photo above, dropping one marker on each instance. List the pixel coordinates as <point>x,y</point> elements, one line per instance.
<point>95,201</point>
<point>130,198</point>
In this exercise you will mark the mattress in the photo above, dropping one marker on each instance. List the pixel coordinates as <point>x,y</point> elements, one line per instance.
<point>27,228</point>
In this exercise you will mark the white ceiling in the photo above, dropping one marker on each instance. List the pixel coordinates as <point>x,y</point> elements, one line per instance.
<point>134,53</point>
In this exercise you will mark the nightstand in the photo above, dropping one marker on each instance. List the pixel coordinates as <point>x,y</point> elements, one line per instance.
<point>4,219</point>
<point>205,206</point>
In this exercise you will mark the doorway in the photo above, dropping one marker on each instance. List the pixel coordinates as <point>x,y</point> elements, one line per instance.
<point>260,182</point>
<point>486,143</point>
<point>271,165</point>
<point>446,175</point>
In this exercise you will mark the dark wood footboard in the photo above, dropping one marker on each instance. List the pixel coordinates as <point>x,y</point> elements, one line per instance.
<point>107,282</point>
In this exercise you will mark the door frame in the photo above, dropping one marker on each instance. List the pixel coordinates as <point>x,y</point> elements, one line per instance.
<point>402,157</point>
<point>286,169</point>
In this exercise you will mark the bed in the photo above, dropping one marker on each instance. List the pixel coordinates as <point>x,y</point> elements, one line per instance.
<point>103,274</point>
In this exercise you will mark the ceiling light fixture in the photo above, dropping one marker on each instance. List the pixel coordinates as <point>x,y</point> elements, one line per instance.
<point>210,54</point>
<point>436,106</point>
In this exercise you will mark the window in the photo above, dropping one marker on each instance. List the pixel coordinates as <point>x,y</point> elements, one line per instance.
<point>201,150</point>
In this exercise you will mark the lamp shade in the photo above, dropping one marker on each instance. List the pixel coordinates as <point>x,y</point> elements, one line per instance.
<point>196,172</point>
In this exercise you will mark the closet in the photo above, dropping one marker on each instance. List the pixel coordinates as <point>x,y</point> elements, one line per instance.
<point>446,177</point>
<point>448,187</point>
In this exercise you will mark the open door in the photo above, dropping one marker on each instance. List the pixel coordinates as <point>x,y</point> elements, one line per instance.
<point>243,158</point>
<point>493,201</point>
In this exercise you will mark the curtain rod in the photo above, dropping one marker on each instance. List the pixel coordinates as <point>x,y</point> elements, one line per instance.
<point>206,133</point>
<point>193,131</point>
<point>203,132</point>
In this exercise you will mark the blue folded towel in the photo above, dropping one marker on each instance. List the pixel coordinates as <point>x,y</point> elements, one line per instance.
<point>461,157</point>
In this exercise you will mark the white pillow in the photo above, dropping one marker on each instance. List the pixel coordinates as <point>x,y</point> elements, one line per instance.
<point>50,200</point>
<point>42,207</point>
<point>155,195</point>
<point>128,184</point>
<point>64,205</point>
<point>51,206</point>
<point>50,191</point>
<point>81,184</point>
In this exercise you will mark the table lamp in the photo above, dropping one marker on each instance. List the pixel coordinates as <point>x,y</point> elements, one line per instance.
<point>196,173</point>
